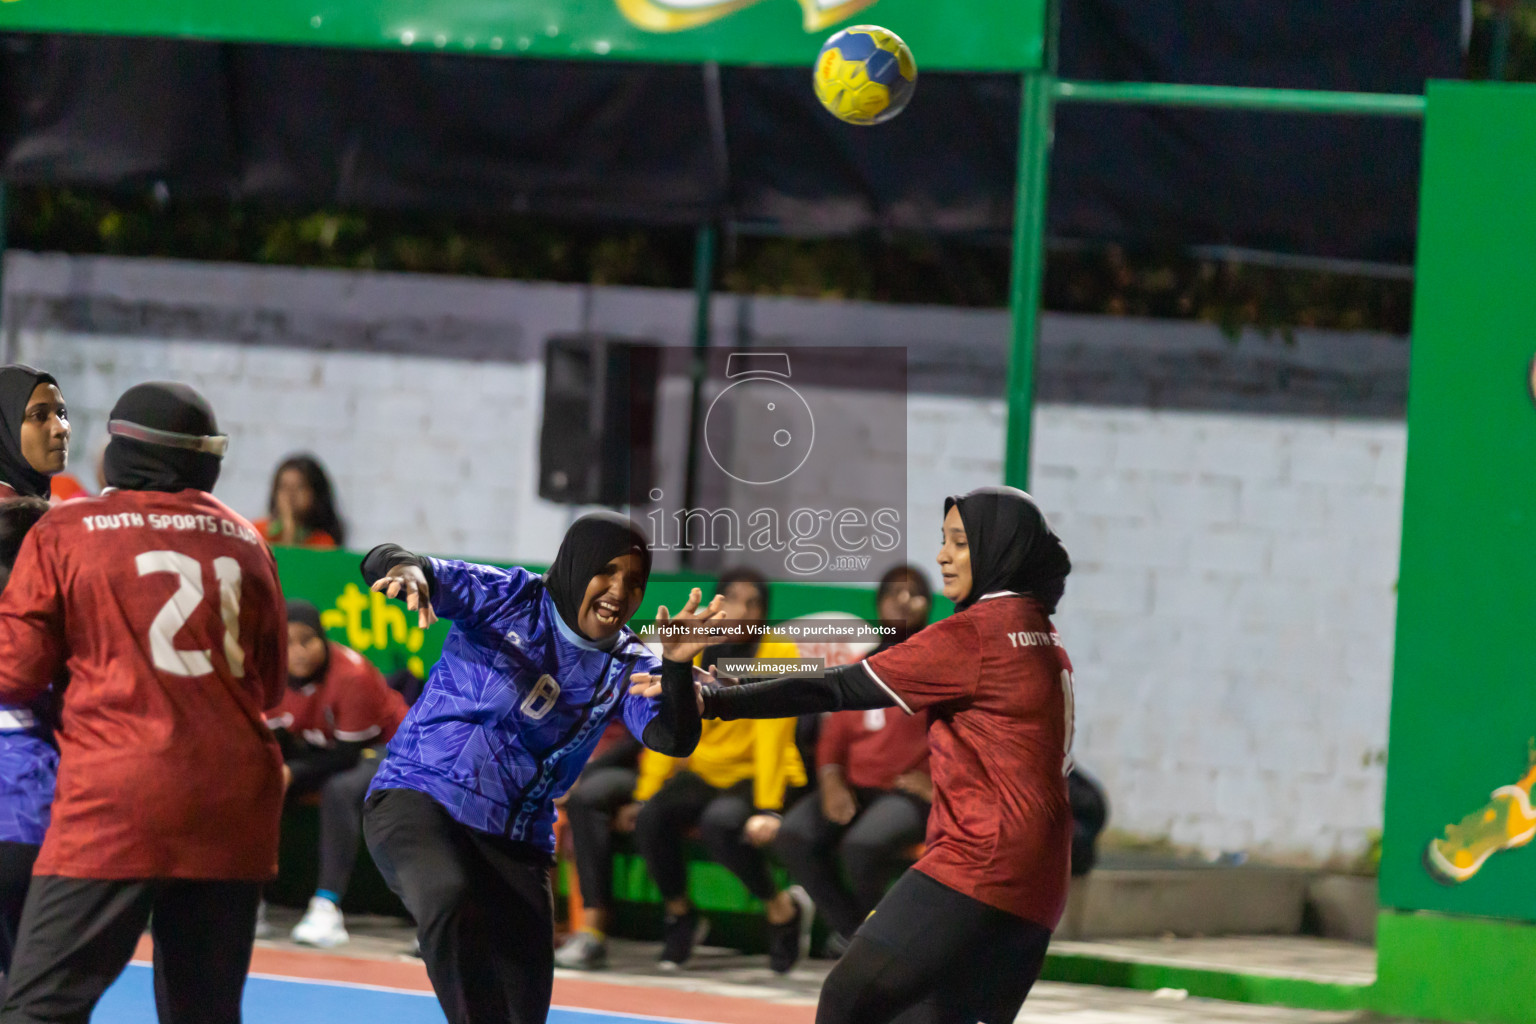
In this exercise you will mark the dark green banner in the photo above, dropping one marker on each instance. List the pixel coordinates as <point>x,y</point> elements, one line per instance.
<point>975,35</point>
<point>1463,736</point>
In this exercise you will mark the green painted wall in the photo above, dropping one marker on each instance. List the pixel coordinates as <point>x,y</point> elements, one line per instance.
<point>1463,701</point>
<point>1432,967</point>
<point>975,35</point>
<point>1464,690</point>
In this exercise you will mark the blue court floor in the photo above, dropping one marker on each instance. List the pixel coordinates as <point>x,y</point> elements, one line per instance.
<point>284,1001</point>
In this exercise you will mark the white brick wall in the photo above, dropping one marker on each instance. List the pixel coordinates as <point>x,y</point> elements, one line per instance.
<point>436,454</point>
<point>1230,616</point>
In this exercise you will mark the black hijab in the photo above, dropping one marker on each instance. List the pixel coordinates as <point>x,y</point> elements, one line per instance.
<point>182,417</point>
<point>17,382</point>
<point>1012,546</point>
<point>304,612</point>
<point>593,541</point>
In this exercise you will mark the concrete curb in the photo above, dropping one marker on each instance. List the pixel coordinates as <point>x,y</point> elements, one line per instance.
<point>1234,986</point>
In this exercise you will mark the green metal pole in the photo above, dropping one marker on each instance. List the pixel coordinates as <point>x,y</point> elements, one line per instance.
<point>1035,128</point>
<point>1226,97</point>
<point>703,289</point>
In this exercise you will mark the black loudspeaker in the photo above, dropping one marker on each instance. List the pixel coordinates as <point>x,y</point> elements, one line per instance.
<point>597,442</point>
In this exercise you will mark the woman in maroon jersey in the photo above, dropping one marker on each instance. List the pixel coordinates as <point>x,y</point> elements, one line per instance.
<point>961,937</point>
<point>163,606</point>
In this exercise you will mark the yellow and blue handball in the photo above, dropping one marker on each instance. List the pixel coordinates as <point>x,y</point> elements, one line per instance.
<point>865,75</point>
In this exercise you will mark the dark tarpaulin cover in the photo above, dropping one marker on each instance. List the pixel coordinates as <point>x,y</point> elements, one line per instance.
<point>638,143</point>
<point>1343,187</point>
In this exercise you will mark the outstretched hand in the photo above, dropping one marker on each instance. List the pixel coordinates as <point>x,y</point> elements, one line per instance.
<point>643,684</point>
<point>409,581</point>
<point>696,626</point>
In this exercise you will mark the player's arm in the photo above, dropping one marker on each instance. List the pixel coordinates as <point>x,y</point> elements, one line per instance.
<point>667,720</point>
<point>435,588</point>
<point>844,688</point>
<point>31,624</point>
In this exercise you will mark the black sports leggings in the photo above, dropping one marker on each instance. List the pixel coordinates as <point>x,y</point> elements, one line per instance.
<point>341,820</point>
<point>597,796</point>
<point>77,935</point>
<point>687,800</point>
<point>481,904</point>
<point>869,848</point>
<point>931,955</point>
<point>16,860</point>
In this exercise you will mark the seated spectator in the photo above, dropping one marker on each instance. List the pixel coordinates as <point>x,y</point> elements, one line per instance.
<point>606,786</point>
<point>334,720</point>
<point>732,787</point>
<point>873,788</point>
<point>301,510</point>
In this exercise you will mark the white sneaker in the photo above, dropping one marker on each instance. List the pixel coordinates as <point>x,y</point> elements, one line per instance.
<point>322,925</point>
<point>264,930</point>
<point>582,952</point>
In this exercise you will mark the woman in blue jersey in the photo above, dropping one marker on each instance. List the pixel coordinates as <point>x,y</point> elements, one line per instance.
<point>29,763</point>
<point>34,445</point>
<point>460,817</point>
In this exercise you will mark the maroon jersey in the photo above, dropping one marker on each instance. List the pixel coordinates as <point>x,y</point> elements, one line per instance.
<point>166,613</point>
<point>997,687</point>
<point>351,702</point>
<point>873,747</point>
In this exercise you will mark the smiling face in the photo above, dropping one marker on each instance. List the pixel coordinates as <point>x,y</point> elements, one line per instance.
<point>612,597</point>
<point>955,558</point>
<point>45,431</point>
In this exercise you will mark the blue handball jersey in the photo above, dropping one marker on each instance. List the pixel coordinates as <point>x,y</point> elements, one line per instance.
<point>514,707</point>
<point>29,766</point>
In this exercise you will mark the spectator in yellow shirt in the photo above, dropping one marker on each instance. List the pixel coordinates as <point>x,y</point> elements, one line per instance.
<point>732,787</point>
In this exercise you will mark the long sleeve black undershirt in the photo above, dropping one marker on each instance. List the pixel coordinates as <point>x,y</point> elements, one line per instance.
<point>845,688</point>
<point>380,560</point>
<point>675,729</point>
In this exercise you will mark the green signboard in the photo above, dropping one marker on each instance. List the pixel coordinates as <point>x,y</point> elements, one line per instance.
<point>384,632</point>
<point>973,35</point>
<point>1463,728</point>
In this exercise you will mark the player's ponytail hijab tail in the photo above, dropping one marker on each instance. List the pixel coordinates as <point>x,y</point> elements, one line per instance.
<point>163,438</point>
<point>1012,546</point>
<point>593,541</point>
<point>17,382</point>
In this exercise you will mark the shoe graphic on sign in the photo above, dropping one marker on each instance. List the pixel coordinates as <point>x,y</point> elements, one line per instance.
<point>1506,822</point>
